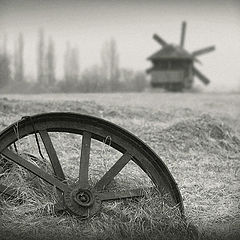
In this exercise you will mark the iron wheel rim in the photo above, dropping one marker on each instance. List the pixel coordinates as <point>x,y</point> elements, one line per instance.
<point>122,140</point>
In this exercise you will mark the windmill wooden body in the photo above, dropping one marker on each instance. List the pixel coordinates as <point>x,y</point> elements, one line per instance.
<point>173,66</point>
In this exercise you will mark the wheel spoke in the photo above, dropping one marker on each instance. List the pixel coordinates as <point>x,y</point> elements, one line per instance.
<point>52,155</point>
<point>84,160</point>
<point>89,127</point>
<point>131,193</point>
<point>34,169</point>
<point>113,171</point>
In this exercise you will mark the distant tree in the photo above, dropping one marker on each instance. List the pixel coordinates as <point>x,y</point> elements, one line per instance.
<point>74,63</point>
<point>139,81</point>
<point>4,46</point>
<point>15,61</point>
<point>40,57</point>
<point>92,80</point>
<point>5,72</point>
<point>71,63</point>
<point>21,62</point>
<point>18,59</point>
<point>50,63</point>
<point>132,81</point>
<point>126,77</point>
<point>67,62</point>
<point>110,63</point>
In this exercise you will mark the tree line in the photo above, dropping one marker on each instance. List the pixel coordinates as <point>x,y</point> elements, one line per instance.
<point>108,76</point>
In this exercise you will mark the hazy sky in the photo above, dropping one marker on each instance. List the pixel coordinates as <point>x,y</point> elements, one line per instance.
<point>87,24</point>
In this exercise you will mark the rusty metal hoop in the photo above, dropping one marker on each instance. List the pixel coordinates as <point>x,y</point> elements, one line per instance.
<point>80,198</point>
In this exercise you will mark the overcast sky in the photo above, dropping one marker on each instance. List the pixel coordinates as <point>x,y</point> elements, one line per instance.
<point>88,23</point>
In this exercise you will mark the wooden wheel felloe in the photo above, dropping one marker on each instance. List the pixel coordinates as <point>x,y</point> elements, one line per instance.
<point>81,198</point>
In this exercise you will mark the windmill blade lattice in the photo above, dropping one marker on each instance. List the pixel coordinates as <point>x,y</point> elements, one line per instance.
<point>203,51</point>
<point>183,33</point>
<point>203,78</point>
<point>160,40</point>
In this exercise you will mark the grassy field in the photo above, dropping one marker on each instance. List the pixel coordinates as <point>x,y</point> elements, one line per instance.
<point>196,135</point>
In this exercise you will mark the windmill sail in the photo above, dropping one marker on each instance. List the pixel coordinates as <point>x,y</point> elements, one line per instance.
<point>183,34</point>
<point>203,78</point>
<point>159,40</point>
<point>203,51</point>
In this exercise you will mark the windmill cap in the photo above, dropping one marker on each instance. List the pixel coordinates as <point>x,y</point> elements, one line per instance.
<point>171,51</point>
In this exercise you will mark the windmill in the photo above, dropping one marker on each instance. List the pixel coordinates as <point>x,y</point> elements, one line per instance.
<point>173,66</point>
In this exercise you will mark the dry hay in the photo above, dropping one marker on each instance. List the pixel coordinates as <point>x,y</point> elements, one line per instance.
<point>34,194</point>
<point>203,154</point>
<point>201,151</point>
<point>203,133</point>
<point>143,219</point>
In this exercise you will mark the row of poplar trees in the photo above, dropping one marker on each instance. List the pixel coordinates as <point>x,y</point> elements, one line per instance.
<point>12,66</point>
<point>104,77</point>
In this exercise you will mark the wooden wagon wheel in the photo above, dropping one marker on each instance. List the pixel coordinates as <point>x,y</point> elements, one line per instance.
<point>80,198</point>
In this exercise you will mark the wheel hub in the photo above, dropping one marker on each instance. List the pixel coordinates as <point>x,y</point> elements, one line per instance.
<point>82,202</point>
<point>83,197</point>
